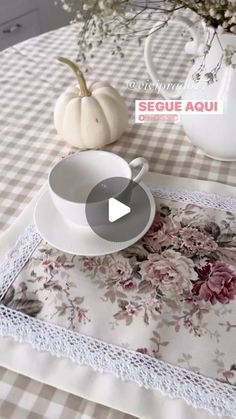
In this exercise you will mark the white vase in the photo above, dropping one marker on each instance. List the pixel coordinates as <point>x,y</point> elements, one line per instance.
<point>214,134</point>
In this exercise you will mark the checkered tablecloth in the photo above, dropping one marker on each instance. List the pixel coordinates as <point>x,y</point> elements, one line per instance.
<point>23,398</point>
<point>30,81</point>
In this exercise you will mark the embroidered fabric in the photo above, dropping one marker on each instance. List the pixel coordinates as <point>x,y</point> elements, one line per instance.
<point>197,390</point>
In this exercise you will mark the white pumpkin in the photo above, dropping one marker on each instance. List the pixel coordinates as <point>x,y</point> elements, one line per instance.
<point>90,118</point>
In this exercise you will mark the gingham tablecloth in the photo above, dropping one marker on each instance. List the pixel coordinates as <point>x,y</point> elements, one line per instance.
<point>30,81</point>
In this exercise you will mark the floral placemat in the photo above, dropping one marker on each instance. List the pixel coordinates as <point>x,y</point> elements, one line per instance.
<point>161,313</point>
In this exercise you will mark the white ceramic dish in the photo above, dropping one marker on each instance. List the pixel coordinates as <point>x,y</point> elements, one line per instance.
<point>78,240</point>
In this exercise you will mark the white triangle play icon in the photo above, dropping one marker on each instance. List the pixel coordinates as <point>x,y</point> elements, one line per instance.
<point>116,210</point>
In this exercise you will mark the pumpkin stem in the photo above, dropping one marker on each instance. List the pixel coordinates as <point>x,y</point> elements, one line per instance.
<point>84,91</point>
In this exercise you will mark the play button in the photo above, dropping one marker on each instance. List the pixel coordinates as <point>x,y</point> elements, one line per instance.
<point>122,209</point>
<point>117,210</point>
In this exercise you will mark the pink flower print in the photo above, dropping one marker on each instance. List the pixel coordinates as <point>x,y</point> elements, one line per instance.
<point>216,283</point>
<point>51,267</point>
<point>120,271</point>
<point>170,271</point>
<point>128,284</point>
<point>192,241</point>
<point>162,234</point>
<point>90,263</point>
<point>143,351</point>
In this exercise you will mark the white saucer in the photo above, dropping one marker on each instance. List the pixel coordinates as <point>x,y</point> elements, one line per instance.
<point>77,240</point>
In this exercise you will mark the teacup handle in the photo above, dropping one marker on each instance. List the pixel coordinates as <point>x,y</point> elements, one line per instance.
<point>134,164</point>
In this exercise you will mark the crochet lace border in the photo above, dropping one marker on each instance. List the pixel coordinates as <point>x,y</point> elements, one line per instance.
<point>197,390</point>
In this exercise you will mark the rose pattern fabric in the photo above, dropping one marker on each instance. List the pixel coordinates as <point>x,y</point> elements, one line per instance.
<point>191,241</point>
<point>216,283</point>
<point>162,234</point>
<point>169,271</point>
<point>171,295</point>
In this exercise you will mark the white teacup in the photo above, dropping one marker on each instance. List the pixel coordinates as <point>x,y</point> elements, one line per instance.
<point>72,179</point>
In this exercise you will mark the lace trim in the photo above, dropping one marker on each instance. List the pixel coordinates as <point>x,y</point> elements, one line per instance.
<point>18,257</point>
<point>203,199</point>
<point>197,390</point>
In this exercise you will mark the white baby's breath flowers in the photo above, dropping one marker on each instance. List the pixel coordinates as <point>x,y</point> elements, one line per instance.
<point>116,19</point>
<point>229,54</point>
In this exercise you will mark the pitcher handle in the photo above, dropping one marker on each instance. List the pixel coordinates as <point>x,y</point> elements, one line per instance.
<point>193,47</point>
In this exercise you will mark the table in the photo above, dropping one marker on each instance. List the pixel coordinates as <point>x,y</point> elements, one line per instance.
<point>30,81</point>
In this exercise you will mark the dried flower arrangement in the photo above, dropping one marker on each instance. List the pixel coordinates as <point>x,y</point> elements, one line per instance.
<point>119,19</point>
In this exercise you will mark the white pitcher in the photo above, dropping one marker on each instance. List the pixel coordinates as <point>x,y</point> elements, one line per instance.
<point>214,134</point>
